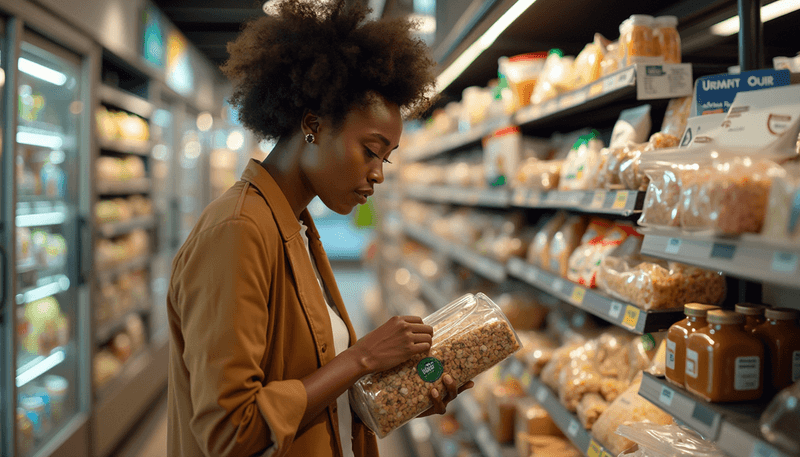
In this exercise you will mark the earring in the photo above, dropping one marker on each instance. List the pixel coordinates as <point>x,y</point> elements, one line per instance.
<point>309,138</point>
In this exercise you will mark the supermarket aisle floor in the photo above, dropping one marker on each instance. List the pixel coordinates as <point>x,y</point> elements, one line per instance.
<point>150,439</point>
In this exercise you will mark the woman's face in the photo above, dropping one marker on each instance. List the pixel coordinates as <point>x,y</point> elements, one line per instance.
<point>342,167</point>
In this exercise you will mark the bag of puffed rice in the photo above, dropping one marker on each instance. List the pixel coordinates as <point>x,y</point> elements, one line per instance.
<point>470,335</point>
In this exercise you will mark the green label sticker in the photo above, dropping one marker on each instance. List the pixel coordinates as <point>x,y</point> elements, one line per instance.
<point>648,342</point>
<point>430,369</point>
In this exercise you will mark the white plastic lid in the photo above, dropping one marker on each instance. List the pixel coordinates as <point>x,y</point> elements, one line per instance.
<point>56,384</point>
<point>32,403</point>
<point>665,21</point>
<point>642,19</point>
<point>625,24</point>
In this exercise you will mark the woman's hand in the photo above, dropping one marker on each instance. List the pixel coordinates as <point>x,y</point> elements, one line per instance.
<point>441,400</point>
<point>394,342</point>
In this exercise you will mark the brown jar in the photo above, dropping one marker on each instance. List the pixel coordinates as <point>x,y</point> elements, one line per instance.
<point>676,340</point>
<point>781,337</point>
<point>723,362</point>
<point>754,314</point>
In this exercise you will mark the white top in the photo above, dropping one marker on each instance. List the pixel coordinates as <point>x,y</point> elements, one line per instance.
<point>341,340</point>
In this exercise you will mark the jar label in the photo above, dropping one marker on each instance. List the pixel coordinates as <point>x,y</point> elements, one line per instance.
<point>691,363</point>
<point>795,366</point>
<point>430,369</point>
<point>747,373</point>
<point>671,354</point>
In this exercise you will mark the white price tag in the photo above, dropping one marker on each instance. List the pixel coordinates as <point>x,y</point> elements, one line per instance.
<point>673,246</point>
<point>784,262</point>
<point>558,285</point>
<point>573,428</point>
<point>616,308</point>
<point>541,394</point>
<point>666,396</point>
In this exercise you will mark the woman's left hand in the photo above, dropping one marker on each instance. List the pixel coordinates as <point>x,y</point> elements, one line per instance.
<point>441,399</point>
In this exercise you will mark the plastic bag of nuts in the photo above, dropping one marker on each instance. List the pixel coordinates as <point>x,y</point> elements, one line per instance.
<point>470,335</point>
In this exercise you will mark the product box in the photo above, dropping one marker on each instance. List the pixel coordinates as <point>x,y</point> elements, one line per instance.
<point>715,94</point>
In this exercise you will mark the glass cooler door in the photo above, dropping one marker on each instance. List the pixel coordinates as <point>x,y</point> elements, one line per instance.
<point>46,300</point>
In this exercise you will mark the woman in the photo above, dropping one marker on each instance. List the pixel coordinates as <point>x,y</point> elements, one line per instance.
<point>262,350</point>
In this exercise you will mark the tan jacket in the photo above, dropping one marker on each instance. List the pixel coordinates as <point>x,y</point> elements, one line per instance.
<point>247,320</point>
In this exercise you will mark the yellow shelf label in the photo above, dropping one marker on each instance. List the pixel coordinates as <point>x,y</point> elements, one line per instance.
<point>631,317</point>
<point>526,380</point>
<point>622,198</point>
<point>594,449</point>
<point>595,89</point>
<point>577,295</point>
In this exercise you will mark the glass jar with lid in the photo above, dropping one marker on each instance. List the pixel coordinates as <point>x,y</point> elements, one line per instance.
<point>723,362</point>
<point>676,340</point>
<point>754,315</point>
<point>666,40</point>
<point>637,35</point>
<point>781,337</point>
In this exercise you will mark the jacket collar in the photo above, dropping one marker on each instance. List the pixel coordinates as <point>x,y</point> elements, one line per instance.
<point>259,177</point>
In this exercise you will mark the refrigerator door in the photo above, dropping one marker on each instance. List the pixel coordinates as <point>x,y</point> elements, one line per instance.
<point>6,333</point>
<point>46,263</point>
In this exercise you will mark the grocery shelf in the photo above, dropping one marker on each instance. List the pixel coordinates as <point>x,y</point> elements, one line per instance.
<point>484,266</point>
<point>631,83</point>
<point>469,416</point>
<point>748,256</point>
<point>565,420</point>
<point>106,274</point>
<point>459,195</point>
<point>427,441</point>
<point>121,402</point>
<point>133,186</point>
<point>616,312</point>
<point>41,213</point>
<point>456,140</point>
<point>107,330</point>
<point>38,365</point>
<point>45,287</point>
<point>136,147</point>
<point>112,229</point>
<point>611,202</point>
<point>734,426</point>
<point>111,95</point>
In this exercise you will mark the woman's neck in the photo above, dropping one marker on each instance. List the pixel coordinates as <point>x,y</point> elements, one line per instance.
<point>283,164</point>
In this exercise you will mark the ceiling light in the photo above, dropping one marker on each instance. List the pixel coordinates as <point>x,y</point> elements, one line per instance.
<point>769,12</point>
<point>40,71</point>
<point>205,121</point>
<point>475,49</point>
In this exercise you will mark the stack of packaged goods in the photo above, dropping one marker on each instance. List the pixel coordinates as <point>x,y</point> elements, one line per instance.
<point>122,130</point>
<point>123,209</point>
<point>41,408</point>
<point>110,359</point>
<point>110,252</point>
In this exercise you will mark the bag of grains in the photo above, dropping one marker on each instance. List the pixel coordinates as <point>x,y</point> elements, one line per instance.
<point>470,335</point>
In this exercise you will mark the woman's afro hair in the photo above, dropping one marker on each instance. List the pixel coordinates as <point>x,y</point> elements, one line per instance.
<point>324,57</point>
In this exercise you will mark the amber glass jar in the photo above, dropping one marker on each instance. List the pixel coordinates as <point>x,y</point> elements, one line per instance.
<point>676,340</point>
<point>637,37</point>
<point>666,40</point>
<point>781,337</point>
<point>753,313</point>
<point>723,362</point>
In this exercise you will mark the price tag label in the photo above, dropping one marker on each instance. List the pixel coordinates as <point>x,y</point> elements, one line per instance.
<point>594,449</point>
<point>573,428</point>
<point>595,89</point>
<point>631,317</point>
<point>577,295</point>
<point>598,199</point>
<point>541,394</point>
<point>558,285</point>
<point>620,200</point>
<point>608,84</point>
<point>673,246</point>
<point>666,396</point>
<point>616,308</point>
<point>723,251</point>
<point>784,262</point>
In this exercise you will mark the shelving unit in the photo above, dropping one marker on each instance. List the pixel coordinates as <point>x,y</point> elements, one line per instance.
<point>565,420</point>
<point>107,330</point>
<point>468,414</point>
<point>141,148</point>
<point>112,229</point>
<point>460,196</point>
<point>134,186</point>
<point>748,256</point>
<point>456,140</point>
<point>734,427</point>
<point>106,274</point>
<point>614,311</point>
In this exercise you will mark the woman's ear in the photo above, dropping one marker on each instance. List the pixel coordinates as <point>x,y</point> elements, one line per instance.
<point>310,123</point>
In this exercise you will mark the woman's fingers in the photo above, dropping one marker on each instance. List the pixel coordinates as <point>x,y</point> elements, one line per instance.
<point>421,329</point>
<point>450,385</point>
<point>439,407</point>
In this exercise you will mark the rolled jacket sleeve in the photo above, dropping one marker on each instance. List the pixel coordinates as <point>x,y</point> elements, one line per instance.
<point>223,291</point>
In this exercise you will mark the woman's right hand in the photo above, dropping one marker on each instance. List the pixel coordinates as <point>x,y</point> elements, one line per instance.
<point>394,342</point>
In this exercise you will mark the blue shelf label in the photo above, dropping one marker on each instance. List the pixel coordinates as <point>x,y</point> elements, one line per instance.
<point>715,93</point>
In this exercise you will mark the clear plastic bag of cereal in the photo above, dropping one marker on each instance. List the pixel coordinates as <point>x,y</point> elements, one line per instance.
<point>731,197</point>
<point>662,202</point>
<point>470,336</point>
